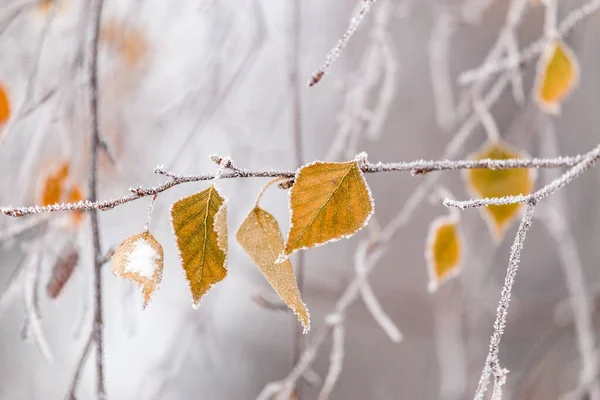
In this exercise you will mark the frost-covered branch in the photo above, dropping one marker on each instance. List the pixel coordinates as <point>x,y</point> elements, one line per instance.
<point>492,364</point>
<point>333,55</point>
<point>586,163</point>
<point>416,167</point>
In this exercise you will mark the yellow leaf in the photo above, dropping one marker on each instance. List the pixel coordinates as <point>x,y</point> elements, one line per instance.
<point>5,108</point>
<point>200,226</point>
<point>557,76</point>
<point>261,239</point>
<point>140,259</point>
<point>498,183</point>
<point>328,201</point>
<point>443,251</point>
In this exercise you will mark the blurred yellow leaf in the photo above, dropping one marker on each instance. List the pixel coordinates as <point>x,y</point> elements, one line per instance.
<point>328,201</point>
<point>140,259</point>
<point>498,183</point>
<point>261,239</point>
<point>5,108</point>
<point>443,251</point>
<point>200,226</point>
<point>557,76</point>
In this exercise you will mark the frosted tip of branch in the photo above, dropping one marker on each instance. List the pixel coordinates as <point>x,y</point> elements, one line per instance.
<point>316,77</point>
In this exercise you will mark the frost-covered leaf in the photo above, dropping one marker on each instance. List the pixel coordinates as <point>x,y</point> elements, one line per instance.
<point>443,251</point>
<point>62,271</point>
<point>200,226</point>
<point>498,183</point>
<point>328,201</point>
<point>261,239</point>
<point>557,76</point>
<point>140,259</point>
<point>5,108</point>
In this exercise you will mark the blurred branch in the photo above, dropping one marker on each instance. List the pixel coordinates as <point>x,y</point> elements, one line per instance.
<point>95,146</point>
<point>534,49</point>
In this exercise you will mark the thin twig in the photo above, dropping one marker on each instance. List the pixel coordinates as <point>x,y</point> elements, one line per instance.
<point>333,55</point>
<point>72,392</point>
<point>96,16</point>
<point>295,18</point>
<point>416,167</point>
<point>585,164</point>
<point>336,359</point>
<point>491,361</point>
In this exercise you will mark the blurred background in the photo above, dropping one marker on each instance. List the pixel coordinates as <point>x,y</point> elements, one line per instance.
<point>183,80</point>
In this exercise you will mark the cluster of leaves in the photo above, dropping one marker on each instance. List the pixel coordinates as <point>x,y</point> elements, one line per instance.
<point>444,242</point>
<point>328,201</point>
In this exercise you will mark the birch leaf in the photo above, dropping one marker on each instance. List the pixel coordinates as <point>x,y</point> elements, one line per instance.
<point>140,259</point>
<point>261,239</point>
<point>5,108</point>
<point>200,226</point>
<point>557,76</point>
<point>499,183</point>
<point>328,201</point>
<point>443,251</point>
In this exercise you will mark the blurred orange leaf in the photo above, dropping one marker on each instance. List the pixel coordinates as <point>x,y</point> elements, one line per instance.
<point>200,227</point>
<point>140,259</point>
<point>5,108</point>
<point>261,239</point>
<point>75,195</point>
<point>129,43</point>
<point>328,201</point>
<point>498,183</point>
<point>443,251</point>
<point>53,185</point>
<point>557,76</point>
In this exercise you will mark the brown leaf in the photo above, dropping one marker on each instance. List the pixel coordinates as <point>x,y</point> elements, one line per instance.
<point>261,239</point>
<point>443,251</point>
<point>328,201</point>
<point>61,272</point>
<point>200,226</point>
<point>140,259</point>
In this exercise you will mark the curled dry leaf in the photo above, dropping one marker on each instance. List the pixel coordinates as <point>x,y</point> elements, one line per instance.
<point>261,239</point>
<point>557,76</point>
<point>140,259</point>
<point>5,108</point>
<point>200,227</point>
<point>499,183</point>
<point>443,251</point>
<point>328,201</point>
<point>62,271</point>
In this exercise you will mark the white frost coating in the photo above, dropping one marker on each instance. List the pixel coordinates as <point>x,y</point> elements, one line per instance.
<point>282,257</point>
<point>143,259</point>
